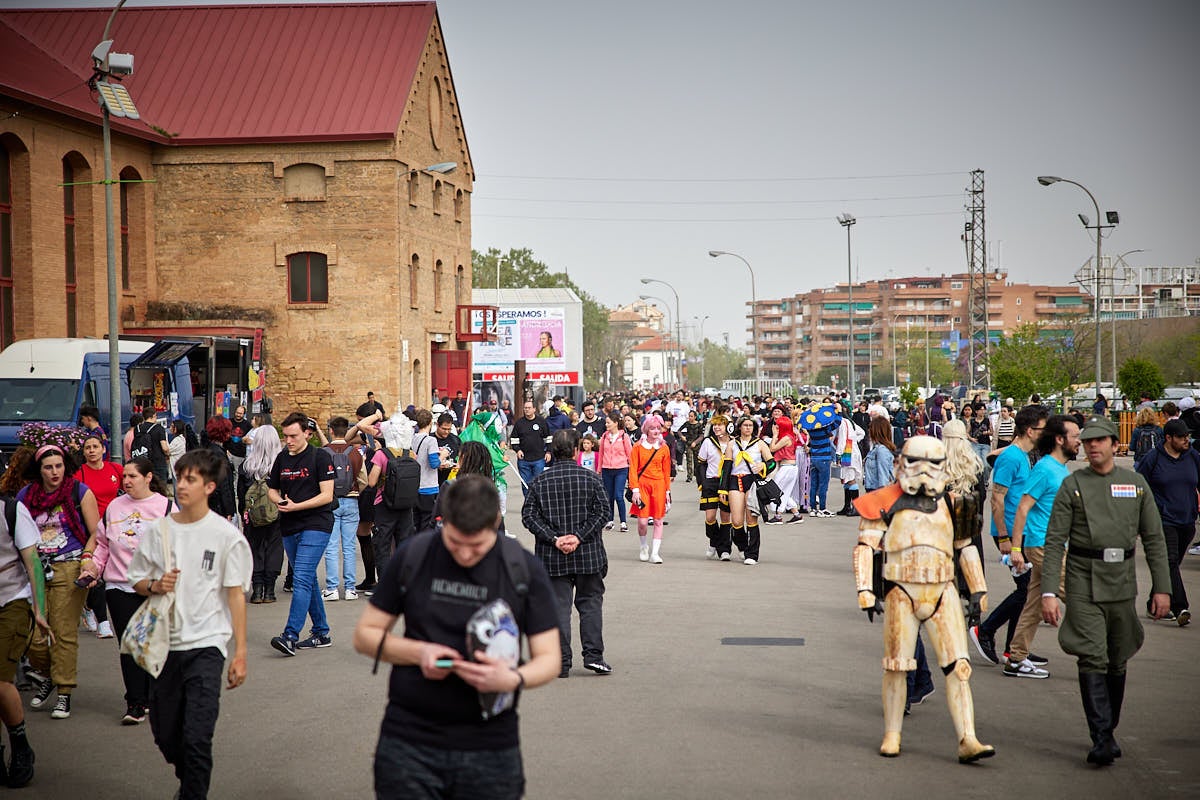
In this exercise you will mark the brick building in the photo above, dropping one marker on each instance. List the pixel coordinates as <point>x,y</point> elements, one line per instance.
<point>799,336</point>
<point>275,183</point>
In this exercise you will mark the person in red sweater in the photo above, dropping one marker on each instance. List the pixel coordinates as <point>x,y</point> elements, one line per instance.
<point>104,479</point>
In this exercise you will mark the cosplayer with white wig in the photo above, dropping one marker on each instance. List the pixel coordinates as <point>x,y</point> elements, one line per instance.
<point>849,455</point>
<point>914,540</point>
<point>398,432</point>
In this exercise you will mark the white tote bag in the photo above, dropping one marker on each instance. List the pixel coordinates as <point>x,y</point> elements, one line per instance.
<point>147,638</point>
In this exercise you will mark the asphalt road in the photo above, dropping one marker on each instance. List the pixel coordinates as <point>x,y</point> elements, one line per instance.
<point>683,715</point>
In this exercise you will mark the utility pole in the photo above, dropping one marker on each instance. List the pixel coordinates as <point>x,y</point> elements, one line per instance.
<point>975,238</point>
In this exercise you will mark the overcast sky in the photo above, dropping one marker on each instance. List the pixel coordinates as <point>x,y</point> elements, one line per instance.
<point>621,140</point>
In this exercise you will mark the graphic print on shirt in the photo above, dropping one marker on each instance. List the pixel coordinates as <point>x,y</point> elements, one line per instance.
<point>293,473</point>
<point>54,535</point>
<point>457,592</point>
<point>207,562</point>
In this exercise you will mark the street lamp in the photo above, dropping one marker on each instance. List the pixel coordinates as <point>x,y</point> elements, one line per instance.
<point>115,101</point>
<point>1112,301</point>
<point>678,322</point>
<point>846,220</point>
<point>703,350</point>
<point>1113,219</point>
<point>871,352</point>
<point>667,308</point>
<point>753,313</point>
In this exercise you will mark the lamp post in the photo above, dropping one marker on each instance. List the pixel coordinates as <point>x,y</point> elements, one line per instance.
<point>1046,180</point>
<point>703,350</point>
<point>1112,301</point>
<point>871,352</point>
<point>846,220</point>
<point>667,307</point>
<point>753,313</point>
<point>678,322</point>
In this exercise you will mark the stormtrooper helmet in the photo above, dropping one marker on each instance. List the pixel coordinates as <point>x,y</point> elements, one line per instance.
<point>923,466</point>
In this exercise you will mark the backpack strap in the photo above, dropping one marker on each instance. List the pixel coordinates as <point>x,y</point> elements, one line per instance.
<point>10,515</point>
<point>413,553</point>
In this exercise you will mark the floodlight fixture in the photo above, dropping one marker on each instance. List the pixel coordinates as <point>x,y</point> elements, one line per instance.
<point>1113,217</point>
<point>1087,223</point>
<point>116,100</point>
<point>1046,180</point>
<point>442,167</point>
<point>846,220</point>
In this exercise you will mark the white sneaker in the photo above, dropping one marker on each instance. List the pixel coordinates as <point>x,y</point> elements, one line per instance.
<point>89,620</point>
<point>104,630</point>
<point>609,526</point>
<point>329,595</point>
<point>710,552</point>
<point>624,527</point>
<point>724,556</point>
<point>644,554</point>
<point>656,559</point>
<point>351,594</point>
<point>1194,551</point>
<point>750,562</point>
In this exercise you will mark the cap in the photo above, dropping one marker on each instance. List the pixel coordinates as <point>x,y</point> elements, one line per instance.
<point>1176,427</point>
<point>1186,403</point>
<point>1098,428</point>
<point>437,408</point>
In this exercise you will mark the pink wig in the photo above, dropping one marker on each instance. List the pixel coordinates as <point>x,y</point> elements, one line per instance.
<point>652,421</point>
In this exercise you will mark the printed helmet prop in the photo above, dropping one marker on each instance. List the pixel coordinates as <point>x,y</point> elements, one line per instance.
<point>923,466</point>
<point>398,432</point>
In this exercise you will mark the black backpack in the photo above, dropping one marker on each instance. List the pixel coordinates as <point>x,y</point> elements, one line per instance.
<point>1149,439</point>
<point>401,481</point>
<point>140,447</point>
<point>343,472</point>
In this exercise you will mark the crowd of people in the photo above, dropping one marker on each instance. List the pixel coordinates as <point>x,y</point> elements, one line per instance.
<point>245,495</point>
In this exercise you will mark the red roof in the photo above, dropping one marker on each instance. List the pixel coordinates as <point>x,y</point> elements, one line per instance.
<point>656,345</point>
<point>229,74</point>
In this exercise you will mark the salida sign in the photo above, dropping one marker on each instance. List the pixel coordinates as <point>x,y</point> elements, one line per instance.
<point>551,377</point>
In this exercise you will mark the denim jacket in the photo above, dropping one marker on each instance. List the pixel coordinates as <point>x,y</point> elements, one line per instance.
<point>877,468</point>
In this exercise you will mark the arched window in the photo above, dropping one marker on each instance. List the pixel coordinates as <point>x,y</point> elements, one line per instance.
<point>68,179</point>
<point>437,197</point>
<point>414,183</point>
<point>414,269</point>
<point>459,276</point>
<point>458,205</point>
<point>6,248</point>
<point>308,278</point>
<point>437,285</point>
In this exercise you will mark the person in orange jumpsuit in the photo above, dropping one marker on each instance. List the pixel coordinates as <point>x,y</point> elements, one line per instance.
<point>650,482</point>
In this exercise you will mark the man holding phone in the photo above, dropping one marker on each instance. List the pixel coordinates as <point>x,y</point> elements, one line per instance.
<point>301,485</point>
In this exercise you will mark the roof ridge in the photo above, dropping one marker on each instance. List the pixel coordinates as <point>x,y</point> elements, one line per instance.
<point>36,46</point>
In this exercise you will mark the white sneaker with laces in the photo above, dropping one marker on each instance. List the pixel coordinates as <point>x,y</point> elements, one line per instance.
<point>724,556</point>
<point>351,594</point>
<point>656,559</point>
<point>609,526</point>
<point>104,630</point>
<point>710,552</point>
<point>89,620</point>
<point>750,562</point>
<point>644,554</point>
<point>624,527</point>
<point>330,595</point>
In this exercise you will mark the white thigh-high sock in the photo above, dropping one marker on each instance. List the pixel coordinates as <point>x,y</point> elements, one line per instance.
<point>657,544</point>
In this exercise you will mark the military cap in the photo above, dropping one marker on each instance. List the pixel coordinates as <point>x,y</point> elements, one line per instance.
<point>1098,428</point>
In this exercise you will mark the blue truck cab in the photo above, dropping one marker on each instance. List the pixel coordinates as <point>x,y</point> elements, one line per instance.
<point>49,380</point>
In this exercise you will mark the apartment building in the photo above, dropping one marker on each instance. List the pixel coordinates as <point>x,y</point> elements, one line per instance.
<point>799,336</point>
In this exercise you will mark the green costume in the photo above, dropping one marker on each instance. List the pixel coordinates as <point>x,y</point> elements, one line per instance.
<point>482,429</point>
<point>1099,518</point>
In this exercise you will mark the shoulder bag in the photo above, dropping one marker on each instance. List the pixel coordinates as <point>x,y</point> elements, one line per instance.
<point>147,638</point>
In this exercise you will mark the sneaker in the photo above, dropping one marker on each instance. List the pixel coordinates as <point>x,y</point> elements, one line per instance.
<point>985,644</point>
<point>710,553</point>
<point>724,556</point>
<point>330,595</point>
<point>362,587</point>
<point>565,672</point>
<point>1038,661</point>
<point>598,666</point>
<point>62,708</point>
<point>314,641</point>
<point>351,594</point>
<point>287,586</point>
<point>644,554</point>
<point>1024,669</point>
<point>825,512</point>
<point>921,695</point>
<point>104,630</point>
<point>776,520</point>
<point>624,527</point>
<point>656,559</point>
<point>1183,617</point>
<point>20,770</point>
<point>285,646</point>
<point>814,513</point>
<point>43,690</point>
<point>751,562</point>
<point>610,525</point>
<point>89,620</point>
<point>134,714</point>
<point>1194,551</point>
<point>796,517</point>
<point>1169,617</point>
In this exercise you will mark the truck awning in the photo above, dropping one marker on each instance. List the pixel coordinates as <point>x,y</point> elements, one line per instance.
<point>164,354</point>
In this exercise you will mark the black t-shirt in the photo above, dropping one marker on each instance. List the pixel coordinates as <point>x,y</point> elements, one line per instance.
<point>529,436</point>
<point>595,427</point>
<point>155,435</point>
<point>455,445</point>
<point>298,478</point>
<point>446,713</point>
<point>236,446</point>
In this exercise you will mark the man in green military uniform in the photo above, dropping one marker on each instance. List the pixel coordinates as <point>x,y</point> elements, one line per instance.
<point>1099,512</point>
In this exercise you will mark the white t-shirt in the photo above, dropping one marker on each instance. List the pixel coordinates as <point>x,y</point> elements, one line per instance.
<point>211,556</point>
<point>678,409</point>
<point>26,535</point>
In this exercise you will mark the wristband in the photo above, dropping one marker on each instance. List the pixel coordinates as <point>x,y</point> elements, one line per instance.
<point>520,678</point>
<point>1000,539</point>
<point>86,555</point>
<point>1015,549</point>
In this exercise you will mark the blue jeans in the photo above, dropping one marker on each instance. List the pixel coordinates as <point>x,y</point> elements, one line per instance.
<point>345,533</point>
<point>614,486</point>
<point>818,487</point>
<point>304,551</point>
<point>420,772</point>
<point>528,470</point>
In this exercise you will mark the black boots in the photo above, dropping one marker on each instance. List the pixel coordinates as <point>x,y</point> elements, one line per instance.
<point>848,509</point>
<point>1097,708</point>
<point>268,591</point>
<point>1116,696</point>
<point>256,594</point>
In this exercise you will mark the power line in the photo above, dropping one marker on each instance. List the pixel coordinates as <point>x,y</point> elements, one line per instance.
<point>477,214</point>
<point>479,198</point>
<point>601,179</point>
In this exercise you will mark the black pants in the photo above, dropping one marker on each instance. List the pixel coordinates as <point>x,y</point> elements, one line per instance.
<point>266,549</point>
<point>423,513</point>
<point>418,772</point>
<point>588,592</point>
<point>184,705</point>
<point>1009,610</point>
<point>1178,539</point>
<point>390,529</point>
<point>121,607</point>
<point>95,601</point>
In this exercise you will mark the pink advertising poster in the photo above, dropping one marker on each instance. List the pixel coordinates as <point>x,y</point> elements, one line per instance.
<point>542,340</point>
